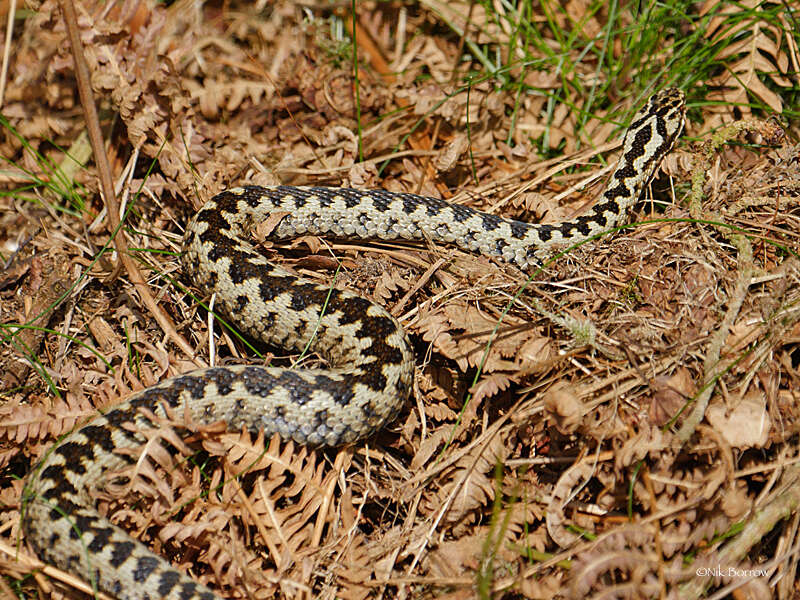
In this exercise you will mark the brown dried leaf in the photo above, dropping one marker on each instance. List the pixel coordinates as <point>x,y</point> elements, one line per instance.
<point>746,424</point>
<point>490,385</point>
<point>563,403</point>
<point>434,327</point>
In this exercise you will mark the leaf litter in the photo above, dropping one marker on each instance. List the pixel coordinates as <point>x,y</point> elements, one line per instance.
<point>541,453</point>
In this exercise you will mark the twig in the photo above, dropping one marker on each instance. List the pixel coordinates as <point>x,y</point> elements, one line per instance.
<point>783,504</point>
<point>12,9</point>
<point>711,367</point>
<point>107,183</point>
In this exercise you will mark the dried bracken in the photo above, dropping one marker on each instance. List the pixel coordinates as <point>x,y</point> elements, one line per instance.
<point>620,423</point>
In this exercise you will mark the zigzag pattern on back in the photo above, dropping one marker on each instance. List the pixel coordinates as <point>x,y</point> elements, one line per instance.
<point>372,357</point>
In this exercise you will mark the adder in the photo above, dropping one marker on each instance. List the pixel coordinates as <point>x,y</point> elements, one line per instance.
<point>372,359</point>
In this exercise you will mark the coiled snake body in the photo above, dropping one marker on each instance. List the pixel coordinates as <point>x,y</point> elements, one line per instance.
<point>372,358</point>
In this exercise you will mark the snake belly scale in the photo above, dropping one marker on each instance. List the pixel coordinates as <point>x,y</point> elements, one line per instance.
<point>371,355</point>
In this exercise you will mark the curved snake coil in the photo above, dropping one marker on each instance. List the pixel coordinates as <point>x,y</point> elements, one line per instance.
<point>372,356</point>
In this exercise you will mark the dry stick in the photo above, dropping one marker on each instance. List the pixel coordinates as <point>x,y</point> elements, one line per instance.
<point>7,592</point>
<point>107,184</point>
<point>784,504</point>
<point>43,573</point>
<point>786,501</point>
<point>418,140</point>
<point>327,498</point>
<point>256,518</point>
<point>712,367</point>
<point>12,9</point>
<point>428,170</point>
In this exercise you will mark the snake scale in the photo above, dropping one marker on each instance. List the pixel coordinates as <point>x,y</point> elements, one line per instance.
<point>371,355</point>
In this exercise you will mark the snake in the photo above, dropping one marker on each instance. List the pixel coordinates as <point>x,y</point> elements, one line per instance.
<point>370,355</point>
